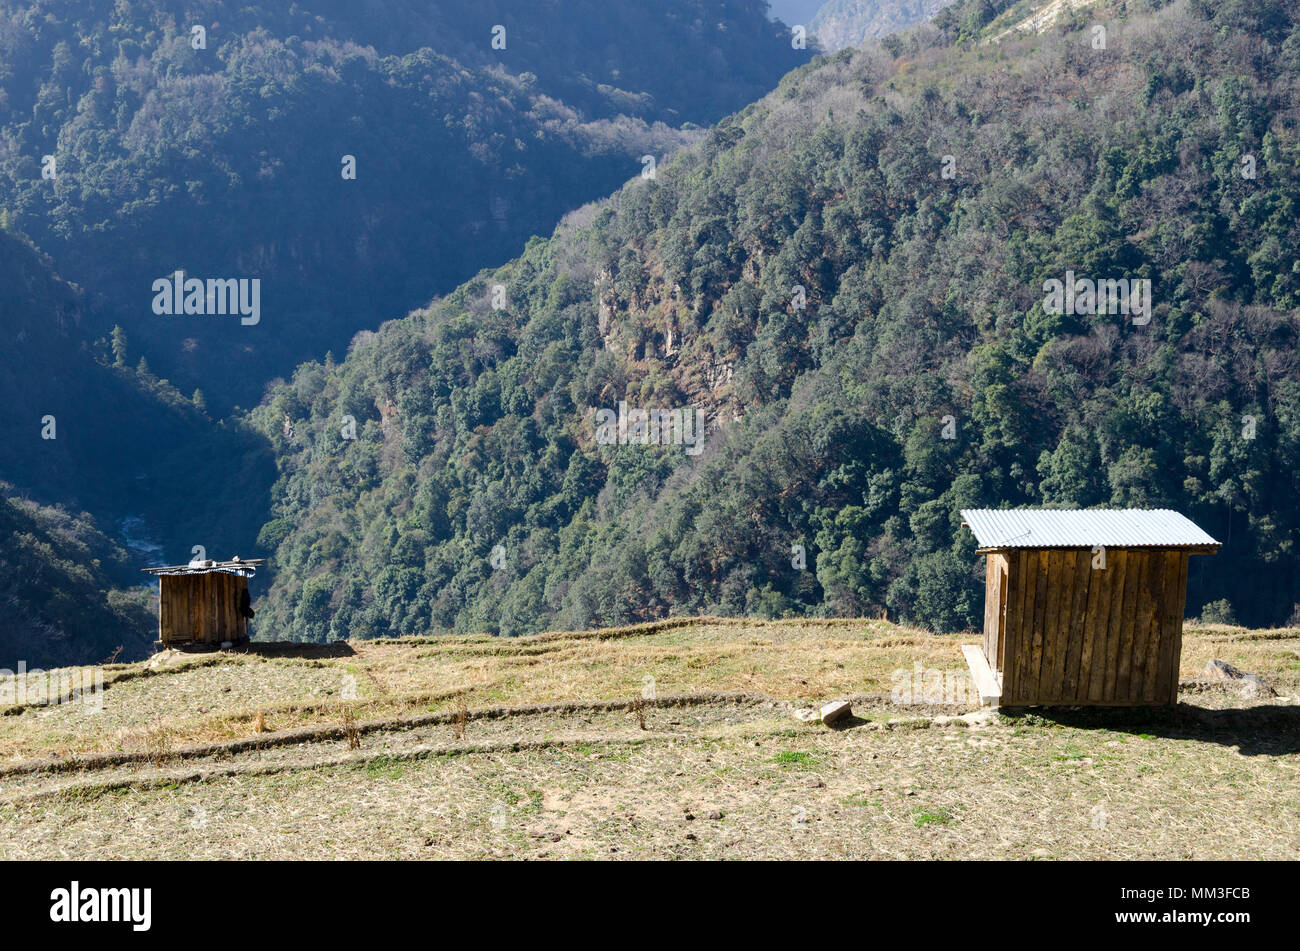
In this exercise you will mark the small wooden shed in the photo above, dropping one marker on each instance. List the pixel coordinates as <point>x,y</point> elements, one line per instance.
<point>1082,606</point>
<point>204,604</point>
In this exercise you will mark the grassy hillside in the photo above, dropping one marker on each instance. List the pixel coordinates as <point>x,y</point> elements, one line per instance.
<point>545,746</point>
<point>868,337</point>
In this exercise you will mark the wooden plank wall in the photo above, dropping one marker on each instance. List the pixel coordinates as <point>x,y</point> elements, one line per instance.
<point>1060,631</point>
<point>201,609</point>
<point>995,591</point>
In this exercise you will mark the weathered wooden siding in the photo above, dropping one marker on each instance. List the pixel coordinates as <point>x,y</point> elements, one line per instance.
<point>200,609</point>
<point>1059,631</point>
<point>995,605</point>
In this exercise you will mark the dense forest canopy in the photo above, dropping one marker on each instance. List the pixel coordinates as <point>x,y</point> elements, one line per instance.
<point>911,279</point>
<point>142,137</point>
<point>849,279</point>
<point>124,443</point>
<point>67,595</point>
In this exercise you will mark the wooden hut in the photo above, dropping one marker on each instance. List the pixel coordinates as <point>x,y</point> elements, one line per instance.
<point>204,604</point>
<point>1082,606</point>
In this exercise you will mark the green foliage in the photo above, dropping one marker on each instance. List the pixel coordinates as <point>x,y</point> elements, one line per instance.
<point>827,422</point>
<point>228,161</point>
<point>67,598</point>
<point>118,338</point>
<point>795,758</point>
<point>924,817</point>
<point>1218,612</point>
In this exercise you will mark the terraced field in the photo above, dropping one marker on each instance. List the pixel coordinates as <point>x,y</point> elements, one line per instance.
<point>671,740</point>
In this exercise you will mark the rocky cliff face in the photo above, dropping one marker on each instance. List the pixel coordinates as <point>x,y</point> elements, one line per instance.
<point>839,24</point>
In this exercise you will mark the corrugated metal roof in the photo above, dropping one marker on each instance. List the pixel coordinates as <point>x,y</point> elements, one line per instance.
<point>1083,528</point>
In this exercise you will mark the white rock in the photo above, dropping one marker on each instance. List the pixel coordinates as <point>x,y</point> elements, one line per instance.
<point>835,711</point>
<point>1252,685</point>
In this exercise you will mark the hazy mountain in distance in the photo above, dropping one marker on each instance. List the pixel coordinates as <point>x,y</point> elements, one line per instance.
<point>792,12</point>
<point>71,593</point>
<point>842,23</point>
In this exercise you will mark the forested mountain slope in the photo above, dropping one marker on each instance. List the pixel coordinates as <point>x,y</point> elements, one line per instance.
<point>212,137</point>
<point>89,426</point>
<point>68,593</point>
<point>926,315</point>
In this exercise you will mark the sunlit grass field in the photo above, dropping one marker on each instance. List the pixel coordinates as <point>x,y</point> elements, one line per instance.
<point>667,740</point>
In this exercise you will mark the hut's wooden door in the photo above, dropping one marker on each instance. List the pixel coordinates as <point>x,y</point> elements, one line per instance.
<point>995,608</point>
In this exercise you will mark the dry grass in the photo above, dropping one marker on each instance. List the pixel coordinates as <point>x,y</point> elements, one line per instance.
<point>462,715</point>
<point>350,731</point>
<point>552,751</point>
<point>215,697</point>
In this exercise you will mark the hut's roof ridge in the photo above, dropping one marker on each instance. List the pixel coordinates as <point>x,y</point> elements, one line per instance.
<point>244,567</point>
<point>1084,528</point>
